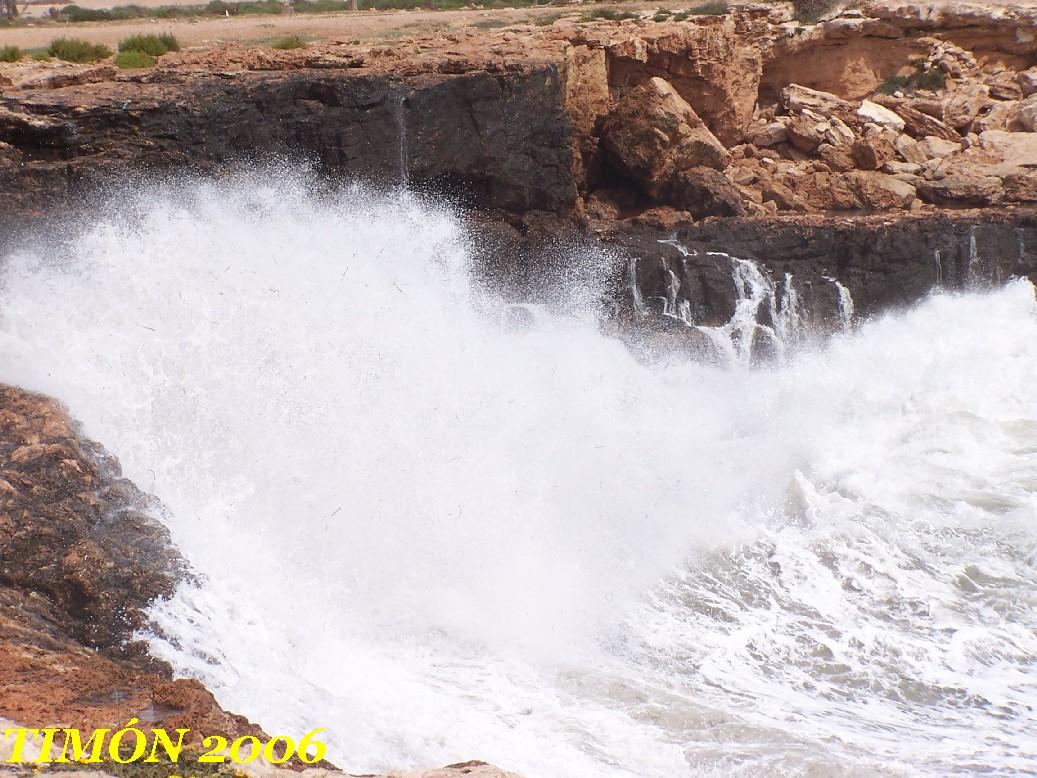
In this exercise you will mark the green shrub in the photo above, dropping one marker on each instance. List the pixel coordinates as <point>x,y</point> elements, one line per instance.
<point>134,59</point>
<point>323,6</point>
<point>77,50</point>
<point>811,11</point>
<point>39,55</point>
<point>291,42</point>
<point>153,45</point>
<point>608,14</point>
<point>74,13</point>
<point>715,8</point>
<point>661,16</point>
<point>10,54</point>
<point>893,84</point>
<point>925,76</point>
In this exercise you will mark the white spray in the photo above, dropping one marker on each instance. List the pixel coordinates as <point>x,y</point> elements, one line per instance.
<point>445,539</point>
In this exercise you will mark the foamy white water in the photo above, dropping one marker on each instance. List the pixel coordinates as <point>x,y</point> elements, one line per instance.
<point>443,539</point>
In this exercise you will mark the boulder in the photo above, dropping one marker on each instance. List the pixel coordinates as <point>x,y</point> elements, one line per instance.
<point>1001,116</point>
<point>829,192</point>
<point>838,133</point>
<point>962,189</point>
<point>964,104</point>
<point>918,124</point>
<point>878,114</point>
<point>703,191</point>
<point>782,196</point>
<point>930,105</point>
<point>873,150</point>
<point>796,99</point>
<point>902,168</point>
<point>909,150</point>
<point>1026,114</point>
<point>653,133</point>
<point>770,135</point>
<point>838,158</point>
<point>882,191</point>
<point>1004,86</point>
<point>937,148</point>
<point>1027,81</point>
<point>1021,187</point>
<point>806,131</point>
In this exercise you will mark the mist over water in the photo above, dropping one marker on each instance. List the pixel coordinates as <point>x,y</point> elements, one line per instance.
<point>443,537</point>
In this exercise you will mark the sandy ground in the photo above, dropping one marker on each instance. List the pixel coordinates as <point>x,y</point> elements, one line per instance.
<point>212,31</point>
<point>365,26</point>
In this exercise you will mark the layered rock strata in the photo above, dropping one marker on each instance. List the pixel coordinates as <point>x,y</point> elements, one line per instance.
<point>880,109</point>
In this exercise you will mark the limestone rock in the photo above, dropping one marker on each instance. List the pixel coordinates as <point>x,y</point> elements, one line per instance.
<point>935,148</point>
<point>703,191</point>
<point>953,60</point>
<point>796,98</point>
<point>873,150</point>
<point>902,168</point>
<point>918,124</point>
<point>782,196</point>
<point>838,158</point>
<point>1001,116</point>
<point>1021,187</point>
<point>829,192</point>
<point>770,135</point>
<point>962,190</point>
<point>909,150</point>
<point>1004,86</point>
<point>838,133</point>
<point>964,104</point>
<point>883,192</point>
<point>1026,113</point>
<point>1027,81</point>
<point>806,131</point>
<point>877,114</point>
<point>653,133</point>
<point>81,558</point>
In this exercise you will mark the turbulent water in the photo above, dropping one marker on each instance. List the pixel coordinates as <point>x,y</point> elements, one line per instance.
<point>443,537</point>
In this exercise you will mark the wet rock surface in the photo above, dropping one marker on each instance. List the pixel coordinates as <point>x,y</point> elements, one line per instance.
<point>849,152</point>
<point>884,263</point>
<point>81,558</point>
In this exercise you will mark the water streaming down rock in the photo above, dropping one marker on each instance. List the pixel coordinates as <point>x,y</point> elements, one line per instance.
<point>441,537</point>
<point>768,319</point>
<point>972,262</point>
<point>846,309</point>
<point>400,102</point>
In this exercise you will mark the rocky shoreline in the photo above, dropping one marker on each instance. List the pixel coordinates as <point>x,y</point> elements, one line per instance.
<point>906,110</point>
<point>883,152</point>
<point>84,555</point>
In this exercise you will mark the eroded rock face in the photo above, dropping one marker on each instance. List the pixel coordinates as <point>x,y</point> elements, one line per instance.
<point>653,134</point>
<point>73,530</point>
<point>458,131</point>
<point>703,191</point>
<point>554,118</point>
<point>884,263</point>
<point>81,558</point>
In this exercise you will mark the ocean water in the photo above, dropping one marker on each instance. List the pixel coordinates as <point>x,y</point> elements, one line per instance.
<point>442,537</point>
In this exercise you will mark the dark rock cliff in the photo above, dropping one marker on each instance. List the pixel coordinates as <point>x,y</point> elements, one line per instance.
<point>884,262</point>
<point>455,132</point>
<point>81,558</point>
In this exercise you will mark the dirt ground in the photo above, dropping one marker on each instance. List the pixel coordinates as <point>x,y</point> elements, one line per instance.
<point>214,31</point>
